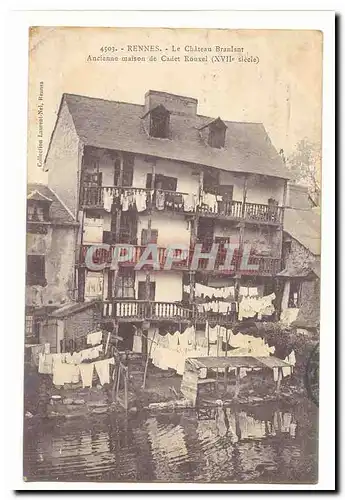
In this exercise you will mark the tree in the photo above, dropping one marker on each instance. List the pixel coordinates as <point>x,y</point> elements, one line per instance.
<point>305,167</point>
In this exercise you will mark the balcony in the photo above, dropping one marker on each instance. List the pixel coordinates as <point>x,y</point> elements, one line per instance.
<point>267,214</point>
<point>140,310</point>
<point>103,197</point>
<point>98,197</point>
<point>222,210</point>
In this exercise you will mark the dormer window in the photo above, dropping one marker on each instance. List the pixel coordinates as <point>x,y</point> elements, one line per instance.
<point>216,133</point>
<point>159,122</point>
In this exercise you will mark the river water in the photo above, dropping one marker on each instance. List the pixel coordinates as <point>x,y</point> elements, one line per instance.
<point>270,443</point>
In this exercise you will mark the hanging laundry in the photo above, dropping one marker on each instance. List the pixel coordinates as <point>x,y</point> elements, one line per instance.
<point>243,291</point>
<point>137,344</point>
<point>252,291</point>
<point>86,373</point>
<point>94,338</point>
<point>102,369</point>
<point>186,289</point>
<point>189,202</point>
<point>36,350</point>
<point>289,315</point>
<point>77,358</point>
<point>275,373</point>
<point>46,362</point>
<point>92,352</point>
<point>140,200</point>
<point>64,373</point>
<point>173,340</point>
<point>125,201</point>
<point>107,199</point>
<point>243,372</point>
<point>210,200</point>
<point>286,371</point>
<point>292,358</point>
<point>160,200</point>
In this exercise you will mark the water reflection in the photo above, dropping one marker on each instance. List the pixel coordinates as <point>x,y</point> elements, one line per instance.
<point>218,444</point>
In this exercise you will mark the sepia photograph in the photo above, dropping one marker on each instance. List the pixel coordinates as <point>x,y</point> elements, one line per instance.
<point>173,256</point>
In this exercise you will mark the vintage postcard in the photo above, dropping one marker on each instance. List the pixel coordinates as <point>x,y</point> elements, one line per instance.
<point>173,247</point>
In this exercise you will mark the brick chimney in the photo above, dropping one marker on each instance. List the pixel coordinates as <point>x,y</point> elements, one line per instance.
<point>176,104</point>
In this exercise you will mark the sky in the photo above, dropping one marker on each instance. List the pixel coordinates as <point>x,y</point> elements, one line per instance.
<point>282,90</point>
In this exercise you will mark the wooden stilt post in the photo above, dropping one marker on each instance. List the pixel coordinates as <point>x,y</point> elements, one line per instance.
<point>237,387</point>
<point>147,359</point>
<point>225,379</point>
<point>125,371</point>
<point>280,376</point>
<point>107,344</point>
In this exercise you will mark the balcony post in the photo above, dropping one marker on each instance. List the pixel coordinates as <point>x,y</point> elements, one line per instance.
<point>244,195</point>
<point>118,212</point>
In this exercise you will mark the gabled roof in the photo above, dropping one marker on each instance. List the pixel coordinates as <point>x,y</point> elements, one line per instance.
<point>217,123</point>
<point>73,308</point>
<point>38,196</point>
<point>305,227</point>
<point>119,125</point>
<point>58,212</point>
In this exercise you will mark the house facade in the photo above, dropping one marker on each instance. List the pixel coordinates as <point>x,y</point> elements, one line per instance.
<point>161,174</point>
<point>300,306</point>
<point>50,257</point>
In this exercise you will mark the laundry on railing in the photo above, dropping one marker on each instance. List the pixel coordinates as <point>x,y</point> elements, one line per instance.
<point>174,200</point>
<point>160,200</point>
<point>189,202</point>
<point>108,197</point>
<point>211,201</point>
<point>127,200</point>
<point>141,200</point>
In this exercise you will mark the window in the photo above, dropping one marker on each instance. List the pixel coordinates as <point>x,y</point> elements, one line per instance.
<point>142,290</point>
<point>159,122</point>
<point>144,236</point>
<point>35,270</point>
<point>29,326</point>
<point>211,181</point>
<point>31,329</point>
<point>127,174</point>
<point>35,213</point>
<point>162,182</point>
<point>124,284</point>
<point>295,294</point>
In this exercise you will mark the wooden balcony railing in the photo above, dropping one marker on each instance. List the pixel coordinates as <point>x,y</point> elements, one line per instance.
<point>141,309</point>
<point>263,213</point>
<point>160,199</point>
<point>105,196</point>
<point>229,209</point>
